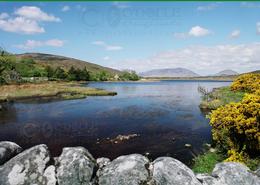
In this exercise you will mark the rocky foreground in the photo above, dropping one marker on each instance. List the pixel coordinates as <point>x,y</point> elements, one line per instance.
<point>76,166</point>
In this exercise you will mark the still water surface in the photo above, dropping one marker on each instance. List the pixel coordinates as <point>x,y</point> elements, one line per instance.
<point>165,115</point>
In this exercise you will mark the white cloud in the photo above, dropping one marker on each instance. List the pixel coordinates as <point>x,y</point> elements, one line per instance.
<point>65,8</point>
<point>258,27</point>
<point>54,43</point>
<point>207,7</point>
<point>21,25</point>
<point>201,59</point>
<point>235,34</point>
<point>106,58</point>
<point>31,44</point>
<point>107,46</point>
<point>35,13</point>
<point>196,31</point>
<point>4,15</point>
<point>26,21</point>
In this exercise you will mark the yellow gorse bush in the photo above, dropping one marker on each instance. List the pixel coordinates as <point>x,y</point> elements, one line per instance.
<point>247,82</point>
<point>235,156</point>
<point>236,126</point>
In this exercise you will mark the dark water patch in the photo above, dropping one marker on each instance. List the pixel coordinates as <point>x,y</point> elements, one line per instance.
<point>165,115</point>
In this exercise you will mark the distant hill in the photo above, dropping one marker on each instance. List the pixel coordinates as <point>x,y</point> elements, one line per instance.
<point>169,72</point>
<point>257,71</point>
<point>66,62</point>
<point>226,73</point>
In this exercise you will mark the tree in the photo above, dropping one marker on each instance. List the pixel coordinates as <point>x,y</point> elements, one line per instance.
<point>8,72</point>
<point>84,74</point>
<point>72,74</point>
<point>77,74</point>
<point>3,52</point>
<point>129,75</point>
<point>50,72</point>
<point>103,76</point>
<point>60,73</point>
<point>11,76</point>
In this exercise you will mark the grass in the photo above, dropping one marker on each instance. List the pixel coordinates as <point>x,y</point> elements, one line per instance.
<point>64,90</point>
<point>206,162</point>
<point>253,164</point>
<point>219,97</point>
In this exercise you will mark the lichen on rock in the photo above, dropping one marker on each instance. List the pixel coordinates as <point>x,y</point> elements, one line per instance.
<point>76,166</point>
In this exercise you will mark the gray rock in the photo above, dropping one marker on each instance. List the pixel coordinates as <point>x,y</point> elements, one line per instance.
<point>230,173</point>
<point>50,175</point>
<point>169,171</point>
<point>27,167</point>
<point>102,162</point>
<point>75,166</point>
<point>206,179</point>
<point>8,150</point>
<point>125,170</point>
<point>258,171</point>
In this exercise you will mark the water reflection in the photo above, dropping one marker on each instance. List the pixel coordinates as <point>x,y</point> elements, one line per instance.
<point>7,113</point>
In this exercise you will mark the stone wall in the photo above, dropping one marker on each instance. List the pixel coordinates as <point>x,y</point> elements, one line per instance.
<point>76,166</point>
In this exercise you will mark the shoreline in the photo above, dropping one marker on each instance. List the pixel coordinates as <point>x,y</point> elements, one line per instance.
<point>60,90</point>
<point>49,90</point>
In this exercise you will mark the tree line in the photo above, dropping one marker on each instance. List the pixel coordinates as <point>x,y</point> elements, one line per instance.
<point>13,70</point>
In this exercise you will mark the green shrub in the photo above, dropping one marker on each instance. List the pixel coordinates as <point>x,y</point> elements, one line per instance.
<point>77,74</point>
<point>205,163</point>
<point>126,75</point>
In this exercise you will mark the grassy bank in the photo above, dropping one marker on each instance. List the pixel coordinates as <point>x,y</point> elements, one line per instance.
<point>206,162</point>
<point>63,90</point>
<point>219,97</point>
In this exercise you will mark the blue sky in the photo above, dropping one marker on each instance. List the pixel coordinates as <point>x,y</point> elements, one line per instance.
<point>205,37</point>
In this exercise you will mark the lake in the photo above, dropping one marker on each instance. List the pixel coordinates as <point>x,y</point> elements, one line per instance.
<point>164,116</point>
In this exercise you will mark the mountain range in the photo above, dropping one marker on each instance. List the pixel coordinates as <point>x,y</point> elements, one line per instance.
<point>227,72</point>
<point>181,72</point>
<point>169,72</point>
<point>67,62</point>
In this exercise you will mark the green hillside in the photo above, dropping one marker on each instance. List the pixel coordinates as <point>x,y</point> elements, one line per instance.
<point>34,67</point>
<point>66,63</point>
